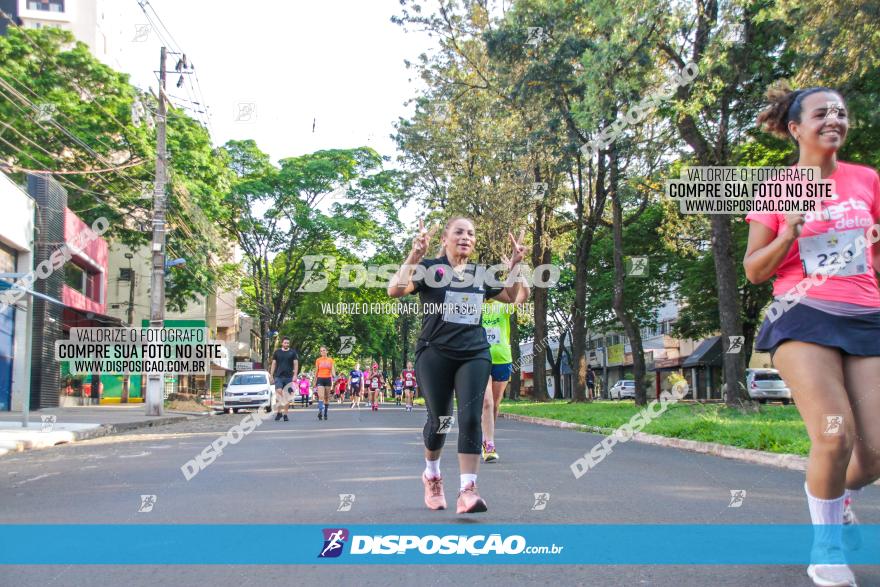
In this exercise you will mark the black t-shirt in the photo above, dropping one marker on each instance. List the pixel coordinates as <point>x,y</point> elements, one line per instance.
<point>284,362</point>
<point>448,336</point>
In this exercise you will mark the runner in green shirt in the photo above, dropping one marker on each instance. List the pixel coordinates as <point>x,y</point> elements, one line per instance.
<point>496,322</point>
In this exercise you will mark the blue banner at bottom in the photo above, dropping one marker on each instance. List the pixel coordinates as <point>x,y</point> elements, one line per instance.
<point>625,544</point>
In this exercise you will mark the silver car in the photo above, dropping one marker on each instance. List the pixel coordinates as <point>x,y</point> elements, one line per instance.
<point>766,384</point>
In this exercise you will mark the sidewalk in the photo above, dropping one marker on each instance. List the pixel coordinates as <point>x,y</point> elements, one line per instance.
<point>75,423</point>
<point>747,455</point>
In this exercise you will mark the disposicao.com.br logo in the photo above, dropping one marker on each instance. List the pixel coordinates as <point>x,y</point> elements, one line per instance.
<point>334,541</point>
<point>480,544</point>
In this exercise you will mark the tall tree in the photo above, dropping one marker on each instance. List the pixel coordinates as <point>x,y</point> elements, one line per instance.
<point>288,240</point>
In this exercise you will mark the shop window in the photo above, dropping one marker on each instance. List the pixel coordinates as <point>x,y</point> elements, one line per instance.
<point>86,282</point>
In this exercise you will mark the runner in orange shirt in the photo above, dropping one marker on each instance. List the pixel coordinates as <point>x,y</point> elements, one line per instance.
<point>325,372</point>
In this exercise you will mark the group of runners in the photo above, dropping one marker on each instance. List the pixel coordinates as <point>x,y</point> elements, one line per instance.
<point>373,386</point>
<point>358,385</point>
<point>826,345</point>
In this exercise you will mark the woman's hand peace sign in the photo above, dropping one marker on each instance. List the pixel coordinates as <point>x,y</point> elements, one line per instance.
<point>519,250</point>
<point>421,242</point>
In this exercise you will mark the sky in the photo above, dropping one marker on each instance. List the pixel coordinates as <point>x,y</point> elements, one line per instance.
<point>269,70</point>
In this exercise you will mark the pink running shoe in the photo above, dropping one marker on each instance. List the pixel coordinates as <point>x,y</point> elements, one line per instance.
<point>434,498</point>
<point>469,501</point>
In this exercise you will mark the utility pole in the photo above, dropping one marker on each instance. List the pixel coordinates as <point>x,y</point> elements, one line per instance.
<point>156,381</point>
<point>126,379</point>
<point>131,298</point>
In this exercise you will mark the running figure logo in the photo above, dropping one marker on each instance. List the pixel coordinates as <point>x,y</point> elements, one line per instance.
<point>346,500</point>
<point>736,344</point>
<point>833,424</point>
<point>346,344</point>
<point>736,498</point>
<point>541,500</point>
<point>147,503</point>
<point>833,110</point>
<point>536,36</point>
<point>48,423</point>
<point>45,112</point>
<point>334,540</point>
<point>245,112</point>
<point>315,278</point>
<point>638,267</point>
<point>141,33</point>
<point>445,424</point>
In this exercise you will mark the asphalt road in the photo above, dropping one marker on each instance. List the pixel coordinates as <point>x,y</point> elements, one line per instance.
<point>293,473</point>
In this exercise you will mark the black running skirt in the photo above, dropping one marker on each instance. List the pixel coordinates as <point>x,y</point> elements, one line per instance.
<point>853,335</point>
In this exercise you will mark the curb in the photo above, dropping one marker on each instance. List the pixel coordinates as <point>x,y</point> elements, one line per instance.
<point>107,429</point>
<point>15,445</point>
<point>748,455</point>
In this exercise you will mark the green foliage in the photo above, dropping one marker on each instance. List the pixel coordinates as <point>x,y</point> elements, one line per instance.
<point>777,429</point>
<point>316,212</point>
<point>63,110</point>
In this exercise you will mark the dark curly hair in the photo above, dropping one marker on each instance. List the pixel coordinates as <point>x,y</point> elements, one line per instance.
<point>784,107</point>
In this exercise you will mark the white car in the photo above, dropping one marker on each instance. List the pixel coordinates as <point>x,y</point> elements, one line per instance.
<point>249,389</point>
<point>766,384</point>
<point>625,388</point>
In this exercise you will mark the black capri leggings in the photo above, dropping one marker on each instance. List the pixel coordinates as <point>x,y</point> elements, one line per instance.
<point>440,376</point>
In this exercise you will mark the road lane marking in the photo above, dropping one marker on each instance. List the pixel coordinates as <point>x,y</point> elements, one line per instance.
<point>37,478</point>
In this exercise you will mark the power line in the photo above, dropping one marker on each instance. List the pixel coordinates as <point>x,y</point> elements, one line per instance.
<point>196,93</point>
<point>131,181</point>
<point>72,81</point>
<point>16,168</point>
<point>54,157</point>
<point>43,169</point>
<point>23,99</point>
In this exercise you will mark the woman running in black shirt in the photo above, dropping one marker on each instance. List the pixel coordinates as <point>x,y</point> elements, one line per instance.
<point>452,354</point>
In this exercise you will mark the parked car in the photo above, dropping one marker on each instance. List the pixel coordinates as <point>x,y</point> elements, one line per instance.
<point>249,389</point>
<point>625,388</point>
<point>766,384</point>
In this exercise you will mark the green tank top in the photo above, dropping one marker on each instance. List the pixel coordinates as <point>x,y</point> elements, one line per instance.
<point>496,322</point>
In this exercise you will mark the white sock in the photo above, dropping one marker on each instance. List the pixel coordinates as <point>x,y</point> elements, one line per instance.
<point>827,517</point>
<point>851,494</point>
<point>825,511</point>
<point>432,469</point>
<point>467,478</point>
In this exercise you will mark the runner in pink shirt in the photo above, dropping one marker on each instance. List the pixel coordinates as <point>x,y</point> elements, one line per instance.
<point>304,389</point>
<point>823,329</point>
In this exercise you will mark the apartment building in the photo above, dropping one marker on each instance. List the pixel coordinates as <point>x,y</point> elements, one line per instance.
<point>108,27</point>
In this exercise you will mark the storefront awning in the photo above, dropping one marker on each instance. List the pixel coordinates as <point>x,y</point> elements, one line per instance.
<point>220,370</point>
<point>708,354</point>
<point>76,318</point>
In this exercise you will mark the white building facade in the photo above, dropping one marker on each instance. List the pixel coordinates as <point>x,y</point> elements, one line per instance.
<point>16,256</point>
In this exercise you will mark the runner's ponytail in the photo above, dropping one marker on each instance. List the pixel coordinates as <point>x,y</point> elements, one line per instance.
<point>784,107</point>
